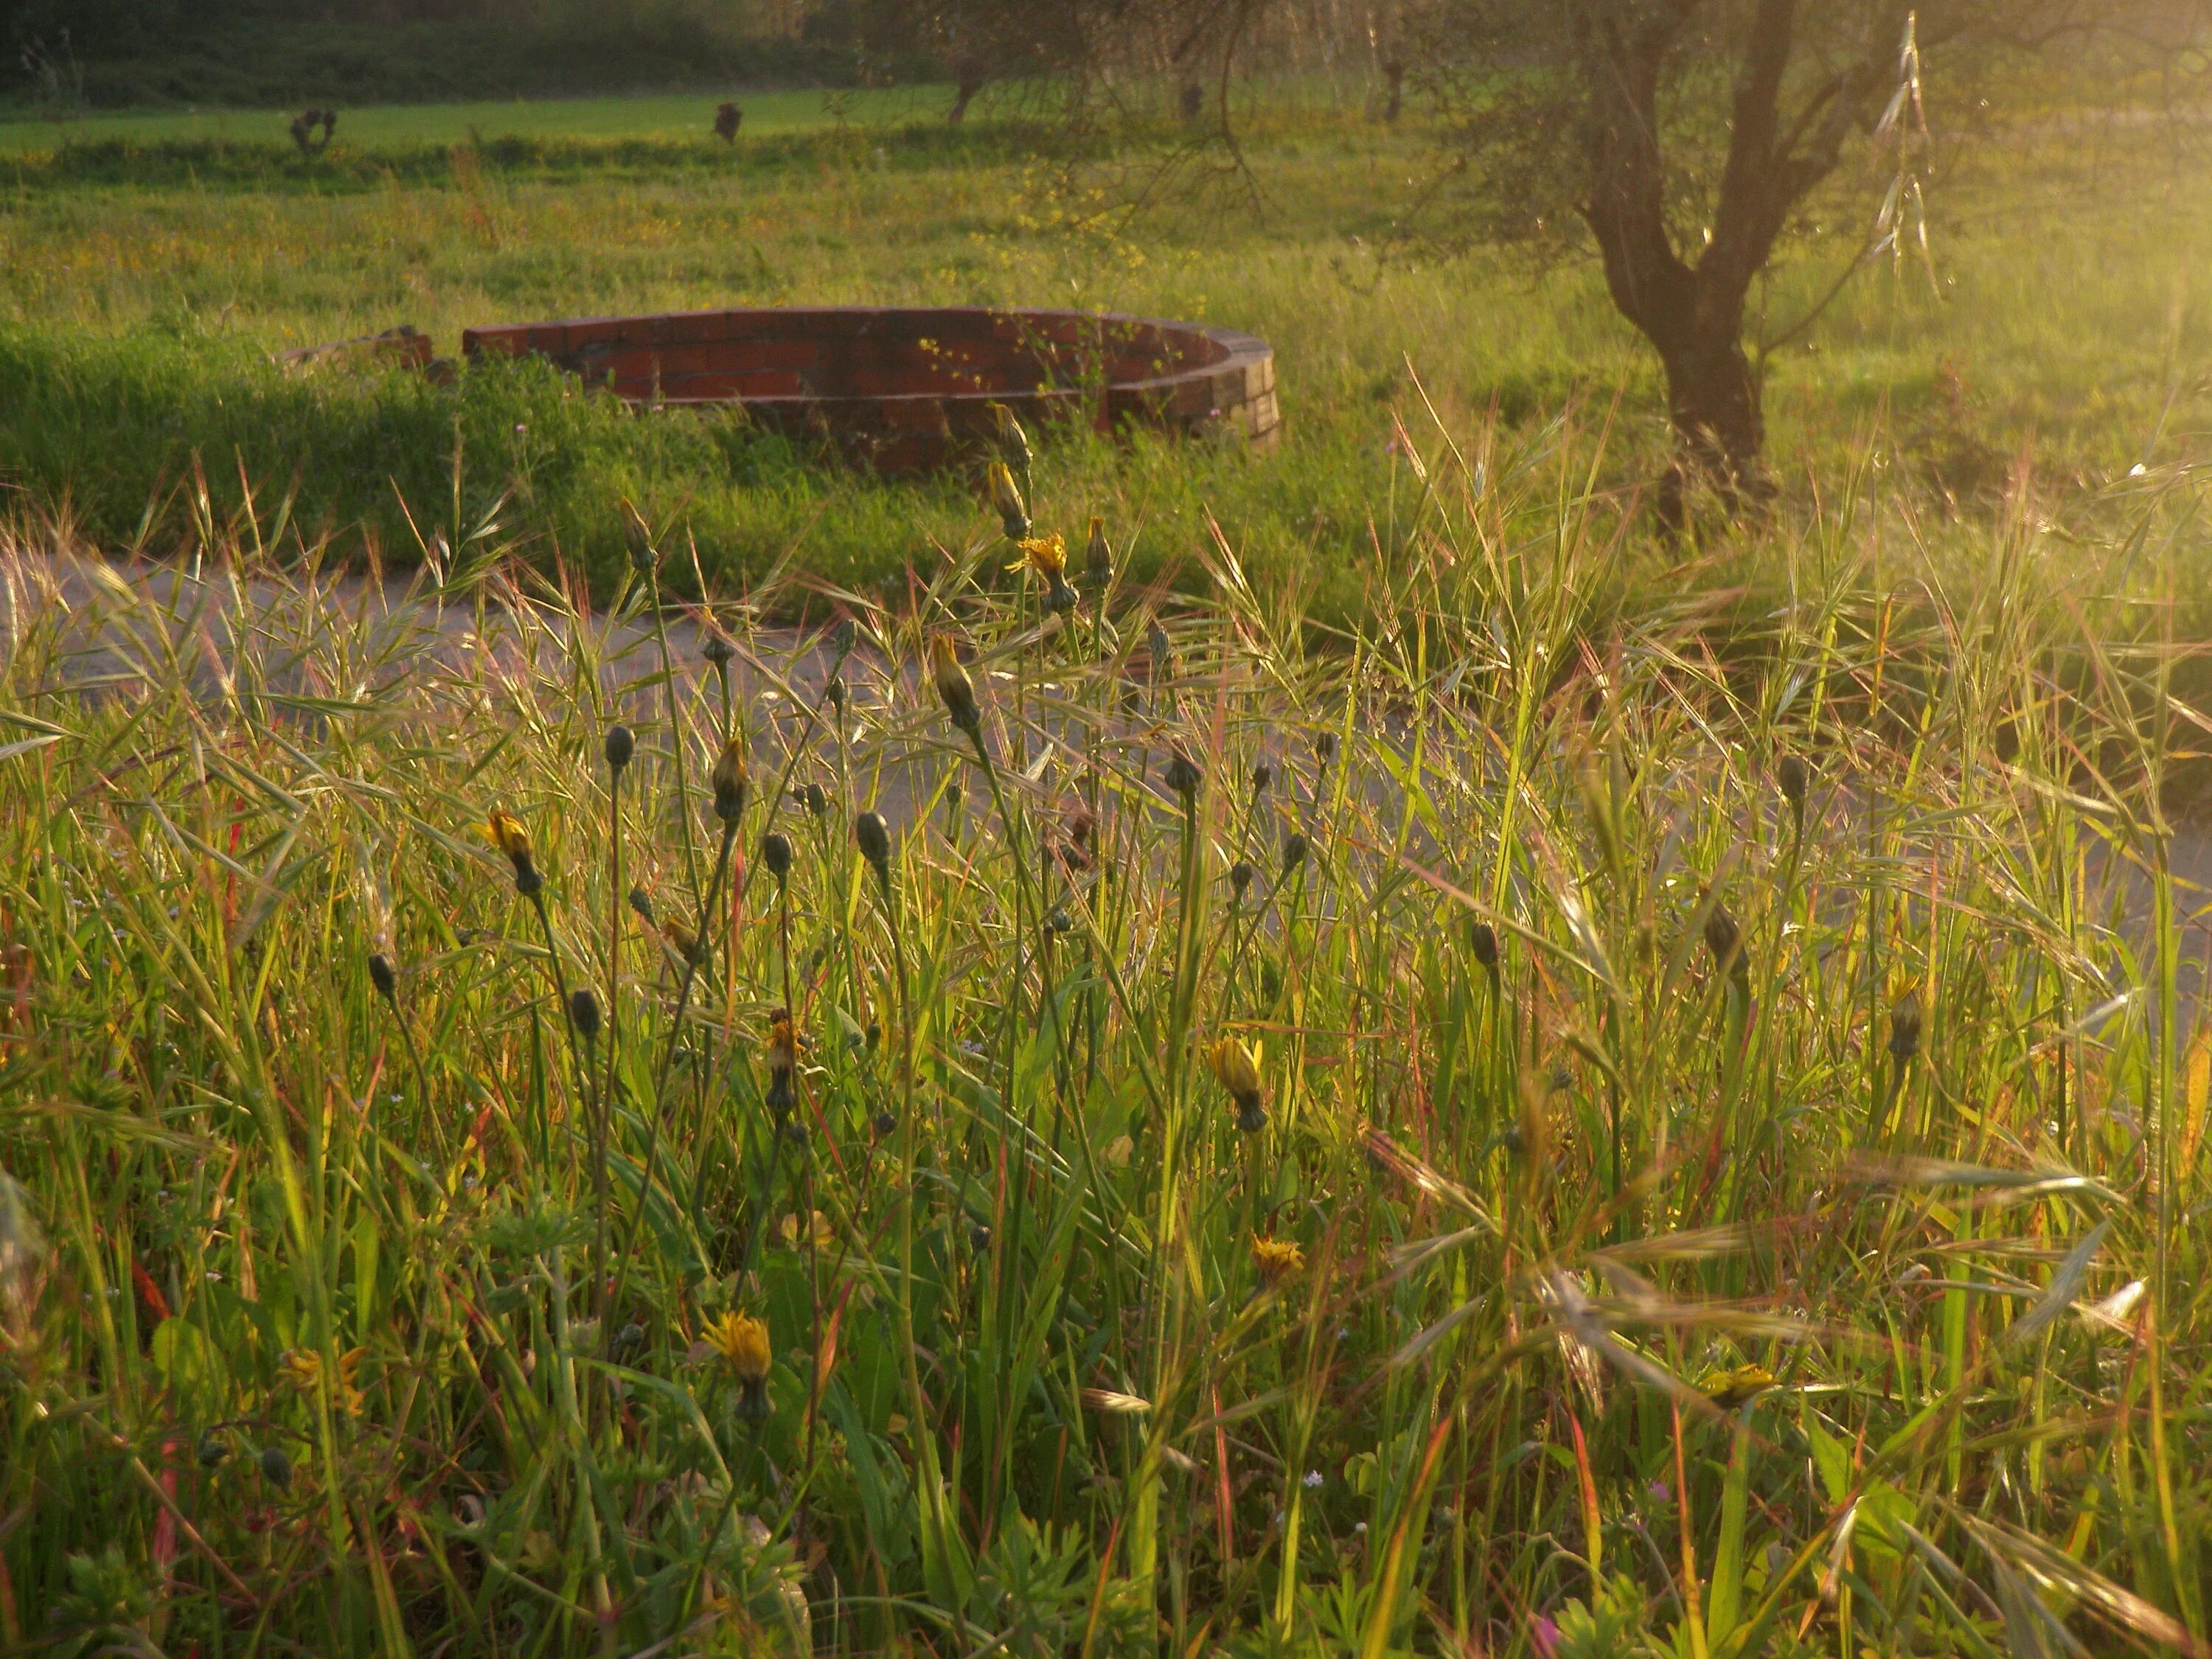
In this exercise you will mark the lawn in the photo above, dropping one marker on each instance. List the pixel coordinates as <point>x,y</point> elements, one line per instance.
<point>1458,1078</point>
<point>144,282</point>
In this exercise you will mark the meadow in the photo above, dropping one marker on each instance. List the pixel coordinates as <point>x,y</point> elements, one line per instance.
<point>1343,1052</point>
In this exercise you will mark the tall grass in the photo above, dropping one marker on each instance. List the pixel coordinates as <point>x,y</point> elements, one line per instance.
<point>1537,1126</point>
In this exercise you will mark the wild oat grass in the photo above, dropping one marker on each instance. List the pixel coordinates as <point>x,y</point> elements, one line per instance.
<point>1011,1127</point>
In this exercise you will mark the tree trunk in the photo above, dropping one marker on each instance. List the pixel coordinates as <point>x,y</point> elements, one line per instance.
<point>1713,406</point>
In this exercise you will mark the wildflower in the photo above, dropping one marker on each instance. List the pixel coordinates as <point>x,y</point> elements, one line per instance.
<point>1047,555</point>
<point>1730,1389</point>
<point>303,1368</point>
<point>716,648</point>
<point>380,974</point>
<point>819,1232</point>
<point>954,688</point>
<point>1313,1480</point>
<point>731,780</point>
<point>1006,497</point>
<point>620,744</point>
<point>584,1013</point>
<point>1905,1027</point>
<point>873,837</point>
<point>1277,1258</point>
<point>742,1340</point>
<point>1236,1068</point>
<point>775,853</point>
<point>1183,775</point>
<point>1097,555</point>
<point>508,834</point>
<point>1544,1635</point>
<point>782,1055</point>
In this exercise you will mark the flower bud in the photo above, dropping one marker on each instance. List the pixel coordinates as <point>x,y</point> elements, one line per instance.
<point>1482,941</point>
<point>380,974</point>
<point>954,688</point>
<point>584,1013</point>
<point>641,902</point>
<point>1905,1027</point>
<point>1262,775</point>
<point>620,744</point>
<point>276,1468</point>
<point>1795,778</point>
<point>1294,851</point>
<point>731,780</point>
<point>775,853</point>
<point>1183,775</point>
<point>716,648</point>
<point>1006,497</point>
<point>508,834</point>
<point>1097,555</point>
<point>873,837</point>
<point>1240,876</point>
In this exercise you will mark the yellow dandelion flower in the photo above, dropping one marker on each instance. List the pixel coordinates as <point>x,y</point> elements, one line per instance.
<point>954,688</point>
<point>742,1340</point>
<point>1277,1258</point>
<point>1236,1068</point>
<point>1728,1388</point>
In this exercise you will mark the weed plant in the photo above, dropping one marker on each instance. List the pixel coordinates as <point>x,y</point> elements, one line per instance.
<point>1053,1118</point>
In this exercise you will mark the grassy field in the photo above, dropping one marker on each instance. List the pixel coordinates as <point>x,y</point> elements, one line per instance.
<point>1405,1069</point>
<point>144,280</point>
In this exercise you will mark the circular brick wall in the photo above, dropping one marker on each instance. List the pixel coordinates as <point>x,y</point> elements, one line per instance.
<point>903,389</point>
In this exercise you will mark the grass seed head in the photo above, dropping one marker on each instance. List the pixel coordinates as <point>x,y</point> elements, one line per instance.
<point>621,744</point>
<point>954,689</point>
<point>508,834</point>
<point>1006,497</point>
<point>731,780</point>
<point>381,976</point>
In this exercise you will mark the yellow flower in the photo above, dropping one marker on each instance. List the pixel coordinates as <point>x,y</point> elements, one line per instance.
<point>823,1234</point>
<point>506,832</point>
<point>303,1368</point>
<point>1730,1389</point>
<point>742,1340</point>
<point>1046,555</point>
<point>1277,1258</point>
<point>782,1049</point>
<point>954,688</point>
<point>681,939</point>
<point>1236,1068</point>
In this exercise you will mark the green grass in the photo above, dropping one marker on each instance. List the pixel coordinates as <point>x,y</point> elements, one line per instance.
<point>144,280</point>
<point>684,118</point>
<point>357,1298</point>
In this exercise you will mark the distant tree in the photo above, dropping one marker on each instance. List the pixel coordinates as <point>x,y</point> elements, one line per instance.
<point>1679,140</point>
